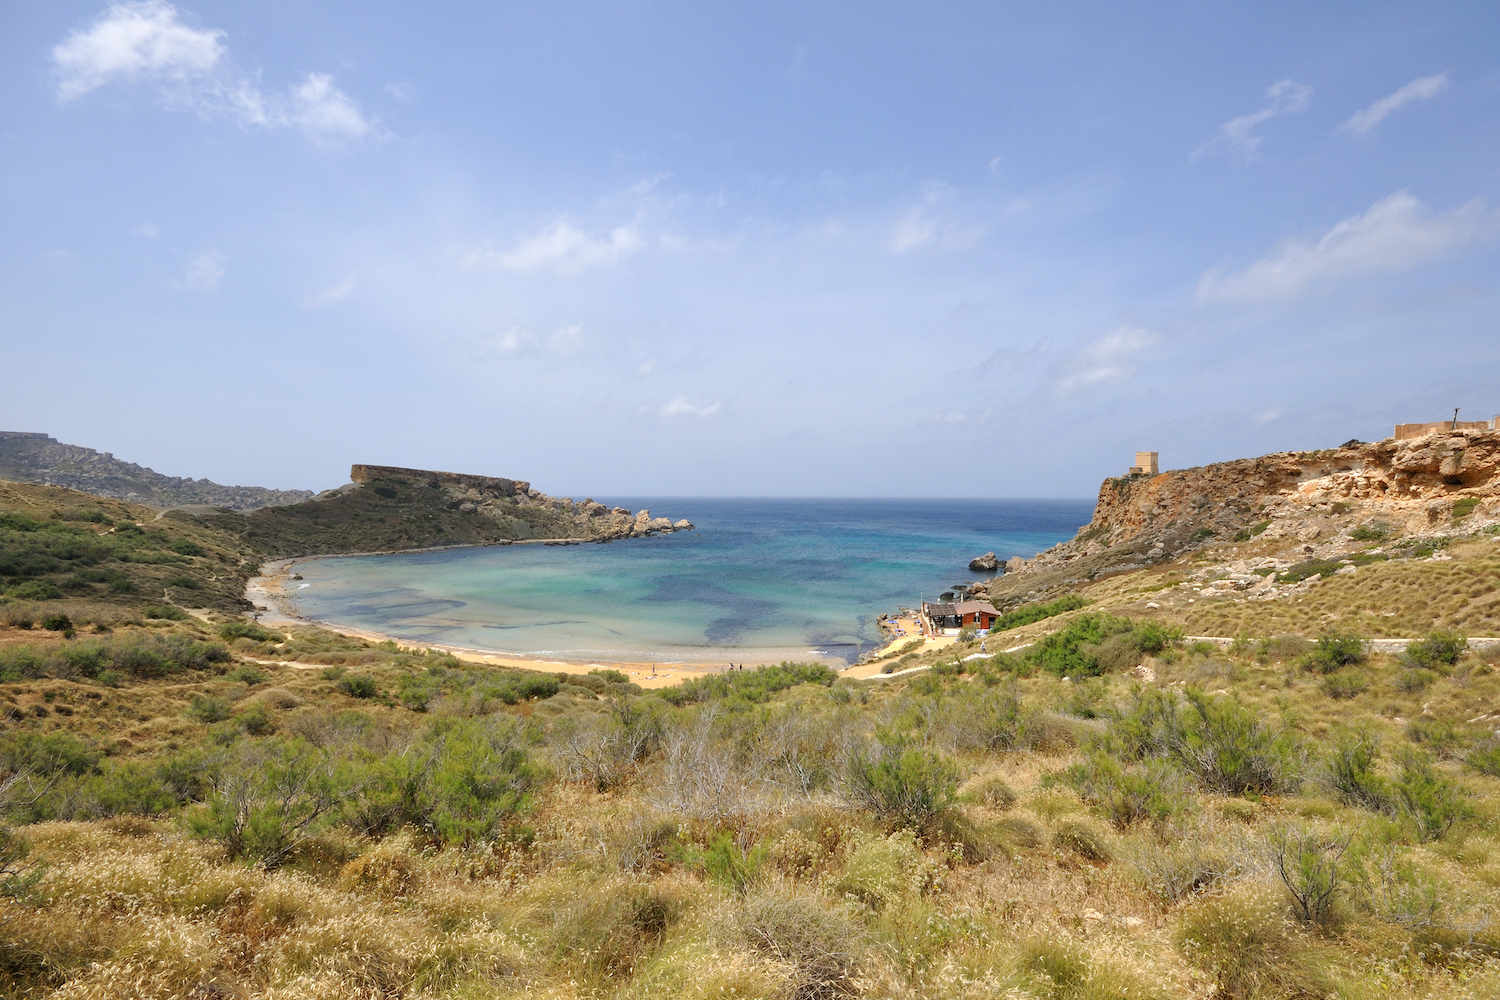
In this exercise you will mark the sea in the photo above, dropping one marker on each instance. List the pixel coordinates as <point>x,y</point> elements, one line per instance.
<point>755,581</point>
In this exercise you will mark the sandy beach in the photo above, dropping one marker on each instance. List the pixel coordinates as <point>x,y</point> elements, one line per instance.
<point>270,592</point>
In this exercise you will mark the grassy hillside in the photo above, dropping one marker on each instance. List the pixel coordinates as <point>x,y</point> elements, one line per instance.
<point>204,807</point>
<point>382,516</point>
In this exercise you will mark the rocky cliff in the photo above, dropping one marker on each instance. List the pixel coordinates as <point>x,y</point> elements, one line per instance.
<point>1309,504</point>
<point>37,458</point>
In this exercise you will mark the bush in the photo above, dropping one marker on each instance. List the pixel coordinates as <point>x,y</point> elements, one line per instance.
<point>58,623</point>
<point>358,686</point>
<point>1430,803</point>
<point>1026,614</point>
<point>480,778</point>
<point>1335,650</point>
<point>1243,942</point>
<point>1308,866</point>
<point>165,612</point>
<point>1464,506</point>
<point>814,941</point>
<point>208,709</point>
<point>1345,684</point>
<point>184,547</point>
<point>1371,531</point>
<point>1125,796</point>
<point>1350,771</point>
<point>267,800</point>
<point>1438,649</point>
<point>246,629</point>
<point>1080,839</point>
<point>610,676</point>
<point>1094,644</point>
<point>1485,758</point>
<point>1233,751</point>
<point>755,686</point>
<point>903,785</point>
<point>995,793</point>
<point>1282,648</point>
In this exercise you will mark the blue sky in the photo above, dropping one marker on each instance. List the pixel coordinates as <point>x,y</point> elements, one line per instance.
<point>781,249</point>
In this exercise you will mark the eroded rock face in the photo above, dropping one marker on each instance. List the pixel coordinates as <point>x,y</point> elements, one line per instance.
<point>1311,500</point>
<point>1228,496</point>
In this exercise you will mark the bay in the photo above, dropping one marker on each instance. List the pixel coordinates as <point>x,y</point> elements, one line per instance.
<point>758,580</point>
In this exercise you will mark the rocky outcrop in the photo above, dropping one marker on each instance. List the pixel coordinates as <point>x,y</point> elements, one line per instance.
<point>37,458</point>
<point>452,480</point>
<point>987,563</point>
<point>1305,504</point>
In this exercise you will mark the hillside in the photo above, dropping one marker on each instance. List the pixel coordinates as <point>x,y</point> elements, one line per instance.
<point>202,807</point>
<point>1391,538</point>
<point>37,458</point>
<point>387,509</point>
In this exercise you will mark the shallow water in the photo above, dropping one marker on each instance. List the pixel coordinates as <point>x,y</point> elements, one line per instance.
<point>758,580</point>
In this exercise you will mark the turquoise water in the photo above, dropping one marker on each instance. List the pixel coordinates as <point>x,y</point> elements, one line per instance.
<point>757,580</point>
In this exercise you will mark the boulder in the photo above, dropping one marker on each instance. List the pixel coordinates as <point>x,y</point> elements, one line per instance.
<point>683,525</point>
<point>986,563</point>
<point>1015,563</point>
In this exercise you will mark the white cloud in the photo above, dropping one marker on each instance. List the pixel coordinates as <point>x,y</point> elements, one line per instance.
<point>324,112</point>
<point>1423,89</point>
<point>563,249</point>
<point>1286,96</point>
<point>148,230</point>
<point>134,41</point>
<point>1109,359</point>
<point>1397,234</point>
<point>1266,416</point>
<point>147,42</point>
<point>204,271</point>
<point>329,296</point>
<point>683,407</point>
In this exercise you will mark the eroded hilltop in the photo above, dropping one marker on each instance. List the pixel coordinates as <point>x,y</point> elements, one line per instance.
<point>1282,525</point>
<point>391,509</point>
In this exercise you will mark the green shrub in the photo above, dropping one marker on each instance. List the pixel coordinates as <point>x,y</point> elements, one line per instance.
<point>165,612</point>
<point>1152,791</point>
<point>1026,614</point>
<point>359,686</point>
<point>34,590</point>
<point>1438,649</point>
<point>1335,650</point>
<point>1464,506</point>
<point>256,720</point>
<point>754,686</point>
<point>57,623</point>
<point>1345,684</point>
<point>724,861</point>
<point>480,778</point>
<point>1485,757</point>
<point>1371,531</point>
<point>901,784</point>
<point>246,674</point>
<point>245,629</point>
<point>1350,771</point>
<point>1098,643</point>
<point>267,799</point>
<point>609,675</point>
<point>1415,681</point>
<point>208,709</point>
<point>1429,802</point>
<point>1308,865</point>
<point>185,547</point>
<point>1444,737</point>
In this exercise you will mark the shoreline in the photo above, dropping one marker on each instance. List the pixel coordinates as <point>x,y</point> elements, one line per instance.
<point>274,606</point>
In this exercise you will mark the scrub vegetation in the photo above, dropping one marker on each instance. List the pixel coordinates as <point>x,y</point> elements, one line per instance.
<point>197,805</point>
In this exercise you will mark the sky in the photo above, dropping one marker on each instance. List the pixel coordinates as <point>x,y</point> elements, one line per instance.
<point>774,249</point>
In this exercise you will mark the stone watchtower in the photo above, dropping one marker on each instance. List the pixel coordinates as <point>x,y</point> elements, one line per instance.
<point>1145,464</point>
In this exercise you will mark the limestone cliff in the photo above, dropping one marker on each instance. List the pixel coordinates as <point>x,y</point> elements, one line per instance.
<point>1305,503</point>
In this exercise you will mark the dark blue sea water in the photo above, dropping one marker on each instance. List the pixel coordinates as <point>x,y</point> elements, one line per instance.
<point>759,579</point>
